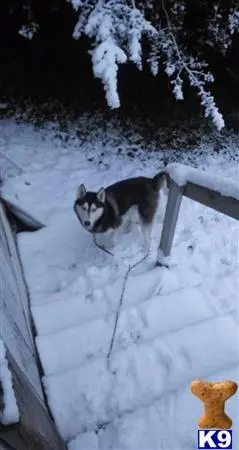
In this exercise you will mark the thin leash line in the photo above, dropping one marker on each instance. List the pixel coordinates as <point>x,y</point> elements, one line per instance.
<point>101,247</point>
<point>118,313</point>
<point>129,269</point>
<point>12,162</point>
<point>126,276</point>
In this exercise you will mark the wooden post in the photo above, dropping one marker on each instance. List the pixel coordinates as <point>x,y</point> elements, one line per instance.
<point>170,219</point>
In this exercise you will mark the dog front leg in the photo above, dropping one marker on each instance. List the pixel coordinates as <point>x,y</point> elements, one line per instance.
<point>111,239</point>
<point>108,239</point>
<point>147,235</point>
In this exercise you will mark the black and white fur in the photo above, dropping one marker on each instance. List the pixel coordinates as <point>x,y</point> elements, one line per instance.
<point>101,211</point>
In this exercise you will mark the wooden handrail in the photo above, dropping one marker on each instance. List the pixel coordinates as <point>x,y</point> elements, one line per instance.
<point>206,195</point>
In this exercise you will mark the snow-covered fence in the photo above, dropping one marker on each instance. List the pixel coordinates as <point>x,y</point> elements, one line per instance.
<point>215,192</point>
<point>35,428</point>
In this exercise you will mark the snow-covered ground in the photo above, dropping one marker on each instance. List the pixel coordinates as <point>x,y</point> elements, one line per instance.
<point>175,324</point>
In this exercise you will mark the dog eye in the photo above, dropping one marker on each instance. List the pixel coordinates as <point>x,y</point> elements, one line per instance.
<point>93,209</point>
<point>84,208</point>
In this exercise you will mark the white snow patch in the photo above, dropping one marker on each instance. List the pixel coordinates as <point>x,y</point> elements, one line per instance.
<point>84,441</point>
<point>10,413</point>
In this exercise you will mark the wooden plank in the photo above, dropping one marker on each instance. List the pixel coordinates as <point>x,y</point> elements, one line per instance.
<point>36,430</point>
<point>23,297</point>
<point>13,330</point>
<point>212,199</point>
<point>10,293</point>
<point>170,218</point>
<point>14,340</point>
<point>16,326</point>
<point>4,245</point>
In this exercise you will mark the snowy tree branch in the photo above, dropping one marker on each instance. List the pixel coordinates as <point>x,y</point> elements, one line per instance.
<point>196,78</point>
<point>117,27</point>
<point>223,25</point>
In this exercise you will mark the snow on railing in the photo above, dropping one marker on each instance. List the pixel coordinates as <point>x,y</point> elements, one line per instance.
<point>215,192</point>
<point>182,175</point>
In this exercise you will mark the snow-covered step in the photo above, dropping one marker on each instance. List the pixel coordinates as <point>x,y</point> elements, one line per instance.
<point>169,422</point>
<point>82,398</point>
<point>87,298</point>
<point>69,310</point>
<point>92,296</point>
<point>73,346</point>
<point>155,317</point>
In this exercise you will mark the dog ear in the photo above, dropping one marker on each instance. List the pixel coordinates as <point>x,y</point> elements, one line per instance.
<point>101,195</point>
<point>81,191</point>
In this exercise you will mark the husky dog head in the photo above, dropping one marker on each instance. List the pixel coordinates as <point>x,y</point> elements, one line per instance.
<point>89,206</point>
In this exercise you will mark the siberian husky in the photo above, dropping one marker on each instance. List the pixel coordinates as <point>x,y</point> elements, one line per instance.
<point>104,210</point>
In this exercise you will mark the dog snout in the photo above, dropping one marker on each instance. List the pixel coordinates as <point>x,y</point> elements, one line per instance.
<point>87,223</point>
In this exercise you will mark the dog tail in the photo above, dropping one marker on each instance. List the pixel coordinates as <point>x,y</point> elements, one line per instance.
<point>160,180</point>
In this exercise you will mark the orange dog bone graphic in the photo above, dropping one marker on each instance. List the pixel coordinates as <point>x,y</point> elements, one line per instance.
<point>214,395</point>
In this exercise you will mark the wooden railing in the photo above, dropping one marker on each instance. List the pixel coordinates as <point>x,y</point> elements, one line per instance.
<point>224,198</point>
